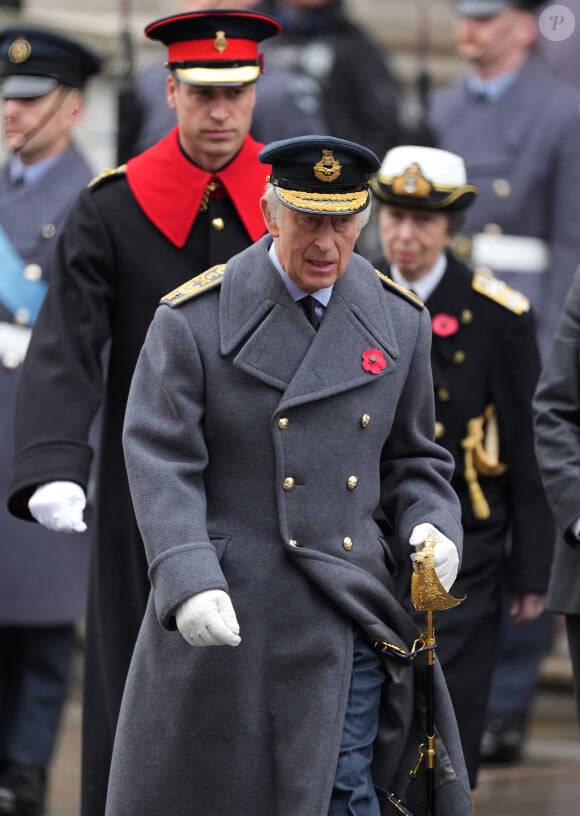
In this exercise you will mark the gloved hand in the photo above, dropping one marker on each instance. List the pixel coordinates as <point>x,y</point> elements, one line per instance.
<point>208,619</point>
<point>59,506</point>
<point>446,555</point>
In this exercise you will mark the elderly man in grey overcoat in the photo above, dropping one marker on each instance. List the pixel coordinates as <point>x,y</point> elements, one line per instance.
<point>261,436</point>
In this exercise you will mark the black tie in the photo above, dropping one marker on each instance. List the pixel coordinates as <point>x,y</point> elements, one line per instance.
<point>308,303</point>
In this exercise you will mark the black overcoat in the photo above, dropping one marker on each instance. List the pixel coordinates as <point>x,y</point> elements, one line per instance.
<point>113,266</point>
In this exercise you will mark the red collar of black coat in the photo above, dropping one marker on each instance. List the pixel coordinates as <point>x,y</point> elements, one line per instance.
<point>169,187</point>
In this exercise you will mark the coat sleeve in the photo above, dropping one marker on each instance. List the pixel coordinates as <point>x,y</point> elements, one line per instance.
<point>562,223</point>
<point>62,376</point>
<point>416,471</point>
<point>514,377</point>
<point>557,417</point>
<point>166,456</point>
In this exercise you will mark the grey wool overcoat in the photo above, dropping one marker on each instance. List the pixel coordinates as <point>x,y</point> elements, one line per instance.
<point>258,451</point>
<point>557,433</point>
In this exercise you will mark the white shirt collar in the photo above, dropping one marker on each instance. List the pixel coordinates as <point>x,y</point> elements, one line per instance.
<point>424,287</point>
<point>321,295</point>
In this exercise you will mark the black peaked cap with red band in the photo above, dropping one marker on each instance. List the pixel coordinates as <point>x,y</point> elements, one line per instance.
<point>214,47</point>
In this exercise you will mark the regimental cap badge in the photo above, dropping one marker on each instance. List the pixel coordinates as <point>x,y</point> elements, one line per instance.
<point>220,43</point>
<point>19,51</point>
<point>412,183</point>
<point>328,168</point>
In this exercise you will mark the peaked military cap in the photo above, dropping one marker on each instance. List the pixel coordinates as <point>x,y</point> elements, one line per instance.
<point>423,178</point>
<point>33,61</point>
<point>214,47</point>
<point>489,8</point>
<point>320,174</point>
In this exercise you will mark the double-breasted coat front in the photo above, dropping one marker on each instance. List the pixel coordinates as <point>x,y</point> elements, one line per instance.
<point>257,450</point>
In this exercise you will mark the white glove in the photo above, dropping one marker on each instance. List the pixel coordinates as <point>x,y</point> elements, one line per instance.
<point>445,551</point>
<point>59,506</point>
<point>208,619</point>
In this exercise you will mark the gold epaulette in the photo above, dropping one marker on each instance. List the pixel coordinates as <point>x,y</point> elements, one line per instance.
<point>107,175</point>
<point>498,290</point>
<point>400,290</point>
<point>201,283</point>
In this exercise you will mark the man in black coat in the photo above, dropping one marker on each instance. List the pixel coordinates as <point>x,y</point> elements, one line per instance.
<point>188,202</point>
<point>485,366</point>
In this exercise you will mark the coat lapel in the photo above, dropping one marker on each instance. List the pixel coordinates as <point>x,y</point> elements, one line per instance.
<point>272,340</point>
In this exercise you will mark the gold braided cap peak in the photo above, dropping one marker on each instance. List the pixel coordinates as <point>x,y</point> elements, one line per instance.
<point>209,279</point>
<point>324,202</point>
<point>499,291</point>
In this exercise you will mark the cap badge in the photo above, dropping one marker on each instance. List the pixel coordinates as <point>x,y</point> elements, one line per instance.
<point>412,183</point>
<point>19,51</point>
<point>220,43</point>
<point>328,168</point>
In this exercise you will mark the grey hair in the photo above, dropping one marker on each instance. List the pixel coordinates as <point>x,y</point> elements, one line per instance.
<point>275,207</point>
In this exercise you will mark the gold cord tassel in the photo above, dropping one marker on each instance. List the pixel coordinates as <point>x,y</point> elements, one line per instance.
<point>474,438</point>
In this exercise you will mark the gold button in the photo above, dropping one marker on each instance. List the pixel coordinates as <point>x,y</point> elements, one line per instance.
<point>365,420</point>
<point>218,224</point>
<point>22,317</point>
<point>492,229</point>
<point>48,231</point>
<point>283,423</point>
<point>347,543</point>
<point>439,430</point>
<point>467,316</point>
<point>352,482</point>
<point>443,394</point>
<point>288,483</point>
<point>502,188</point>
<point>459,357</point>
<point>32,272</point>
<point>293,543</point>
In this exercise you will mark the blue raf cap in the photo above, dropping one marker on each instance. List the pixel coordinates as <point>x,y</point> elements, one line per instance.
<point>321,174</point>
<point>33,61</point>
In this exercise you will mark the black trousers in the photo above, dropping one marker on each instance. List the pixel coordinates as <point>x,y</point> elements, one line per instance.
<point>35,669</point>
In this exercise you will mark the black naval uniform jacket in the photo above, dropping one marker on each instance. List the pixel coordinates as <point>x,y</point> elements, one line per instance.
<point>483,353</point>
<point>115,261</point>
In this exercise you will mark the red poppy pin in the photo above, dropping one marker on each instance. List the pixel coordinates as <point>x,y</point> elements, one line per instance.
<point>444,325</point>
<point>373,360</point>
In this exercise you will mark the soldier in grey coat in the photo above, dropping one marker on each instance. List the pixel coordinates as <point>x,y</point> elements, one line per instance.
<point>517,127</point>
<point>557,433</point>
<point>260,439</point>
<point>43,575</point>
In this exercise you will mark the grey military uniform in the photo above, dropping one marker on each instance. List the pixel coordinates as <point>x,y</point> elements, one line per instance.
<point>257,450</point>
<point>523,153</point>
<point>43,575</point>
